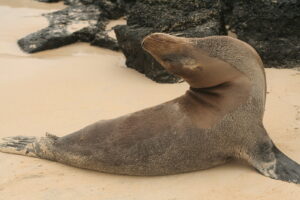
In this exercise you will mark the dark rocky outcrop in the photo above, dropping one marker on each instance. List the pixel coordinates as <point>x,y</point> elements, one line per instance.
<point>74,23</point>
<point>83,20</point>
<point>272,27</point>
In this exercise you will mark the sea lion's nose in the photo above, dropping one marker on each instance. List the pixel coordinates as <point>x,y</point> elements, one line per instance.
<point>147,40</point>
<point>155,37</point>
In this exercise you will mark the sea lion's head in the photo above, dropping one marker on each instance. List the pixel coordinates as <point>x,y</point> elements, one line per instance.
<point>177,55</point>
<point>182,57</point>
<point>202,62</point>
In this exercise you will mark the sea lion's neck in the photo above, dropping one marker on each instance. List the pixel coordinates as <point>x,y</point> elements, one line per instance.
<point>209,105</point>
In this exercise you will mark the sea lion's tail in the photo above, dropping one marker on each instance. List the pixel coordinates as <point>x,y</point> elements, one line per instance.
<point>20,145</point>
<point>28,146</point>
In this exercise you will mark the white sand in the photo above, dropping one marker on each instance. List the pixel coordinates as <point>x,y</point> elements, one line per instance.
<point>62,90</point>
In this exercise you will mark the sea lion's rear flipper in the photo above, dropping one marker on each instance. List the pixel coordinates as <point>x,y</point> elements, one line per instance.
<point>20,145</point>
<point>281,168</point>
<point>29,146</point>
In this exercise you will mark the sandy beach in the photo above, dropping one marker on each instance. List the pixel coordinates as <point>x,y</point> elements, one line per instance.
<point>62,90</point>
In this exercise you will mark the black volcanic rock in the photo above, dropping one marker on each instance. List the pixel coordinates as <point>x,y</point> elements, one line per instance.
<point>83,20</point>
<point>74,23</point>
<point>272,27</point>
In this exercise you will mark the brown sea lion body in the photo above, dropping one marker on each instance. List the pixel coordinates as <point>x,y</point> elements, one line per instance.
<point>219,117</point>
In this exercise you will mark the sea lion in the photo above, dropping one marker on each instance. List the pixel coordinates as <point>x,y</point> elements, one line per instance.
<point>218,118</point>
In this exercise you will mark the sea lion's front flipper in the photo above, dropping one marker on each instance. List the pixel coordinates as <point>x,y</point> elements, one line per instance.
<point>20,145</point>
<point>280,168</point>
<point>286,169</point>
